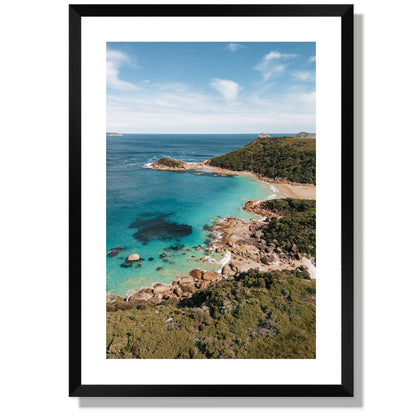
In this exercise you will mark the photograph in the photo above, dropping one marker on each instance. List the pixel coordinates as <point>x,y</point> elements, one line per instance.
<point>210,200</point>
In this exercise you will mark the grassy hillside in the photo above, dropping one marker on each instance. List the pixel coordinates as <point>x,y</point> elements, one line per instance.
<point>297,227</point>
<point>274,157</point>
<point>257,315</point>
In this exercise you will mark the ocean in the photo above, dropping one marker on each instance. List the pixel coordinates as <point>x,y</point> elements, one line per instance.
<point>154,213</point>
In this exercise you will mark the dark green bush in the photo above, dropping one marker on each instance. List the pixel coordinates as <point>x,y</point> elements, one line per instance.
<point>297,227</point>
<point>171,163</point>
<point>274,157</point>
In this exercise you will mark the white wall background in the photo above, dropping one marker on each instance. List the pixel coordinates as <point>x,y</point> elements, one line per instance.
<point>33,163</point>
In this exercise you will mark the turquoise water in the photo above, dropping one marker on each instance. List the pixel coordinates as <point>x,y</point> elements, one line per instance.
<point>153,212</point>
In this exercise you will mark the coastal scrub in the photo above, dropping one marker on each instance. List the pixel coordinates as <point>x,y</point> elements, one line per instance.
<point>286,158</point>
<point>170,163</point>
<point>296,230</point>
<point>257,315</point>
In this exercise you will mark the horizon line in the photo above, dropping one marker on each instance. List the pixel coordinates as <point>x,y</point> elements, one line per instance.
<point>120,132</point>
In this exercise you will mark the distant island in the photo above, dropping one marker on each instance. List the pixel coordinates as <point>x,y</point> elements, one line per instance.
<point>305,135</point>
<point>301,135</point>
<point>113,134</point>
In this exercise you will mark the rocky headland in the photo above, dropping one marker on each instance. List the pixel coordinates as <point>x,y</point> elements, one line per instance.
<point>244,248</point>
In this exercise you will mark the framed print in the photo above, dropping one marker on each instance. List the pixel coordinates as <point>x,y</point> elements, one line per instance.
<point>211,200</point>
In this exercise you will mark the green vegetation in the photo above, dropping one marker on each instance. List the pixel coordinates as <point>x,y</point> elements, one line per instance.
<point>288,206</point>
<point>170,163</point>
<point>274,157</point>
<point>304,135</point>
<point>257,315</point>
<point>297,227</point>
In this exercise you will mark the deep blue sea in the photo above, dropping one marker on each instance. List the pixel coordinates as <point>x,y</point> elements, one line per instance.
<point>152,212</point>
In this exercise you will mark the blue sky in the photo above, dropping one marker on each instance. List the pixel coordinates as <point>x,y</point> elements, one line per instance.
<point>210,87</point>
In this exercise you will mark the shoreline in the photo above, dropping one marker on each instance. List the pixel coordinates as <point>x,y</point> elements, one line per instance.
<point>285,188</point>
<point>234,237</point>
<point>242,252</point>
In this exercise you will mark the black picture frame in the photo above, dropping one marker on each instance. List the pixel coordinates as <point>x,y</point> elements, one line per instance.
<point>76,388</point>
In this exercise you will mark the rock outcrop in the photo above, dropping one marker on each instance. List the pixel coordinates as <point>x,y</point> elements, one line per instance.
<point>185,280</point>
<point>140,296</point>
<point>114,251</point>
<point>160,289</point>
<point>210,276</point>
<point>269,259</point>
<point>263,136</point>
<point>196,273</point>
<point>133,257</point>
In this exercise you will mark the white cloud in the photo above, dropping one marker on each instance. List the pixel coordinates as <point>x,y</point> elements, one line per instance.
<point>117,56</point>
<point>156,110</point>
<point>115,60</point>
<point>219,119</point>
<point>270,65</point>
<point>312,59</point>
<point>214,122</point>
<point>302,75</point>
<point>277,55</point>
<point>229,89</point>
<point>234,47</point>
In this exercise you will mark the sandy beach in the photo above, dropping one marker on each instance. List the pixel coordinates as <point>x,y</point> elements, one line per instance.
<point>299,191</point>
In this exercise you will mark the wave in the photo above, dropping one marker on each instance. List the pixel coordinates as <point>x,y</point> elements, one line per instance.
<point>209,259</point>
<point>225,260</point>
<point>150,161</point>
<point>274,190</point>
<point>310,266</point>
